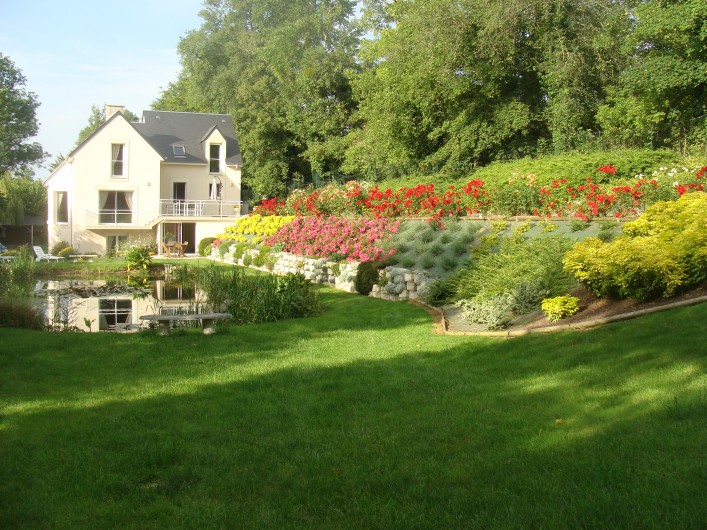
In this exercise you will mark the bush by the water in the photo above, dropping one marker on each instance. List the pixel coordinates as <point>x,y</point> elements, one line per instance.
<point>660,254</point>
<point>20,314</point>
<point>205,246</point>
<point>259,298</point>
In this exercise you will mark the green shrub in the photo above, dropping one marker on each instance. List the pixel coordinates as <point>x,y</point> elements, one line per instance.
<point>436,248</point>
<point>224,247</point>
<point>262,257</point>
<point>514,197</point>
<point>367,276</point>
<point>239,250</point>
<point>560,307</point>
<point>522,228</point>
<point>247,259</point>
<point>58,247</point>
<point>577,225</point>
<point>548,226</point>
<point>576,167</point>
<point>138,257</point>
<point>660,254</point>
<point>408,261</point>
<point>536,261</point>
<point>526,297</point>
<point>260,298</point>
<point>204,248</point>
<point>459,248</point>
<point>427,262</point>
<point>66,252</point>
<point>20,314</point>
<point>499,225</point>
<point>493,312</point>
<point>606,235</point>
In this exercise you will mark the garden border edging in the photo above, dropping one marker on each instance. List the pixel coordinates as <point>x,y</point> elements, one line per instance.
<point>564,327</point>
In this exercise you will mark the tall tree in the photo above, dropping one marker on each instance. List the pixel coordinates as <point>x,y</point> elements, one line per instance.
<point>21,195</point>
<point>281,68</point>
<point>662,95</point>
<point>454,83</point>
<point>18,121</point>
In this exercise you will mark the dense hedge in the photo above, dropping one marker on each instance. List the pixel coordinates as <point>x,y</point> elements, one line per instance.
<point>660,254</point>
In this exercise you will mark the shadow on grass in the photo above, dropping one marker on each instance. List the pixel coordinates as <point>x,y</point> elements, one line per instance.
<point>308,424</point>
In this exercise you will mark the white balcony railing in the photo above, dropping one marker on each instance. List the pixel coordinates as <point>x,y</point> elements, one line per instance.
<point>210,208</point>
<point>167,208</point>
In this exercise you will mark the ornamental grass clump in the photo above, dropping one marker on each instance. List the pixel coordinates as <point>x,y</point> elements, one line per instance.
<point>438,251</point>
<point>259,298</point>
<point>511,281</point>
<point>660,254</point>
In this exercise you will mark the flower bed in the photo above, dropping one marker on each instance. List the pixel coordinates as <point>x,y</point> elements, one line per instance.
<point>349,239</point>
<point>518,196</point>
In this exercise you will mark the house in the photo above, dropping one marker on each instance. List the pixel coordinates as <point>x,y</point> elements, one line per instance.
<point>172,175</point>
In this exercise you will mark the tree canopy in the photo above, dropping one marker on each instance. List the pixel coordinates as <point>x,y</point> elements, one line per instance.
<point>330,89</point>
<point>18,121</point>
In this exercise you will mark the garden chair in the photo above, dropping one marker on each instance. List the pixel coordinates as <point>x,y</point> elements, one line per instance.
<point>43,256</point>
<point>165,249</point>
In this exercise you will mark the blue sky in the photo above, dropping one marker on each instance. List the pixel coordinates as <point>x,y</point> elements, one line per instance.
<point>77,54</point>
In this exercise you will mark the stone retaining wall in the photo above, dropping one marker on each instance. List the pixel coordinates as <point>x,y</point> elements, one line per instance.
<point>395,283</point>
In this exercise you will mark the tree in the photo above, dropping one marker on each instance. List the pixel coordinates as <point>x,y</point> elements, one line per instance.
<point>18,121</point>
<point>21,195</point>
<point>450,84</point>
<point>282,69</point>
<point>661,98</point>
<point>96,119</point>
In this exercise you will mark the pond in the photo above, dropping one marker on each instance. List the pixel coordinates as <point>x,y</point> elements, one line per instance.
<point>103,305</point>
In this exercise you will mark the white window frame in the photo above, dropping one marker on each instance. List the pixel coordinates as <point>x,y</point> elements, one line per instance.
<point>119,157</point>
<point>213,160</point>
<point>57,205</point>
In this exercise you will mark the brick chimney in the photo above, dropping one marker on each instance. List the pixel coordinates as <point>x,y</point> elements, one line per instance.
<point>112,110</point>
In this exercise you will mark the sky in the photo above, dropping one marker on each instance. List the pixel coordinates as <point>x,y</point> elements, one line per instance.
<point>75,54</point>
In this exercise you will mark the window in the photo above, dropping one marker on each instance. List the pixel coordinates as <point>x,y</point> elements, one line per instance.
<point>61,205</point>
<point>117,160</point>
<point>214,158</point>
<point>116,243</point>
<point>116,207</point>
<point>179,150</point>
<point>114,313</point>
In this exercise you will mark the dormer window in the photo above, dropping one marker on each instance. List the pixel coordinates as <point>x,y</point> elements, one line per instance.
<point>179,150</point>
<point>117,160</point>
<point>214,158</point>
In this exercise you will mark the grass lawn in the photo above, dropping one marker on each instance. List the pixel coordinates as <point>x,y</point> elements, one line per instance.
<point>358,418</point>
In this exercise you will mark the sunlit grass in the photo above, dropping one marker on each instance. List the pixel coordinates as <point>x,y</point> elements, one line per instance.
<point>360,417</point>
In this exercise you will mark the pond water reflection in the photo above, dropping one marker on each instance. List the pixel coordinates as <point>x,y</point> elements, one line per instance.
<point>102,305</point>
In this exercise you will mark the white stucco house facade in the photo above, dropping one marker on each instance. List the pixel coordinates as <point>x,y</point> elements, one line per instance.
<point>172,175</point>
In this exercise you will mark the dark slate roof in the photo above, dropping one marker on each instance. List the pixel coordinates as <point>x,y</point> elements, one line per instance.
<point>163,130</point>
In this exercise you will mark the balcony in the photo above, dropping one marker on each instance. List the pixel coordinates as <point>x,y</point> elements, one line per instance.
<point>208,208</point>
<point>168,208</point>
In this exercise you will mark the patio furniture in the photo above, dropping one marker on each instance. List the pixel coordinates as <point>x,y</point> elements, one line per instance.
<point>43,256</point>
<point>179,247</point>
<point>166,250</point>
